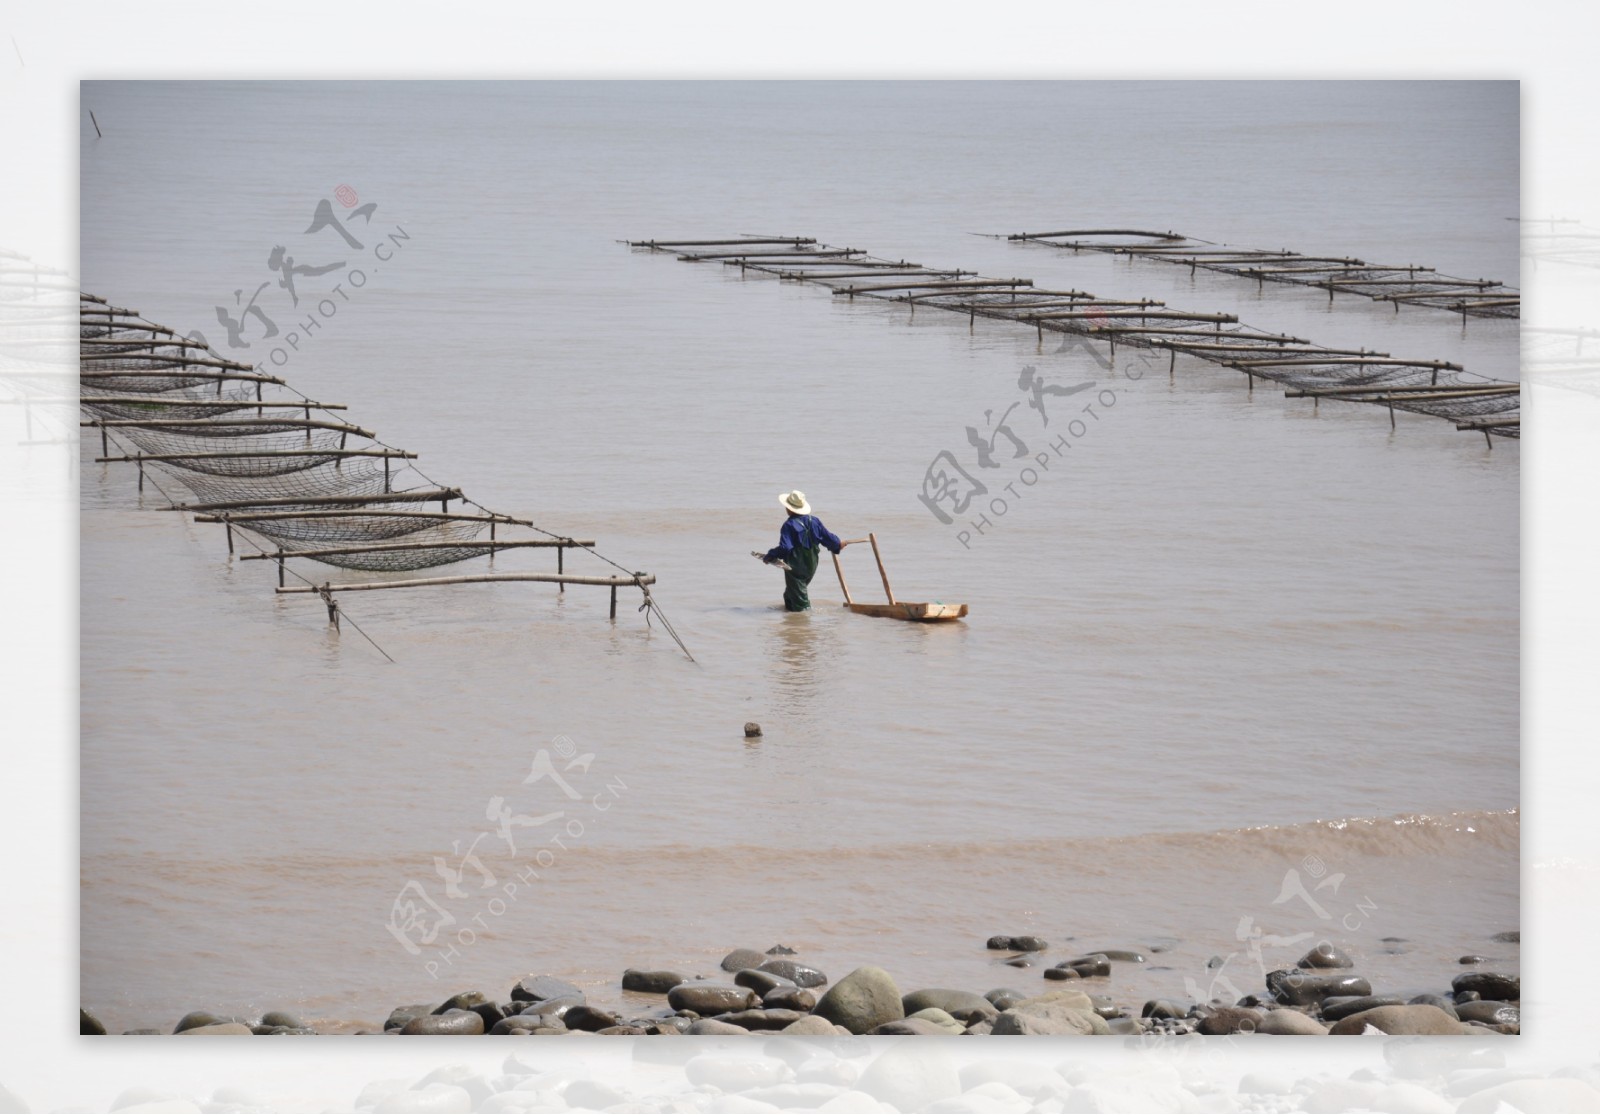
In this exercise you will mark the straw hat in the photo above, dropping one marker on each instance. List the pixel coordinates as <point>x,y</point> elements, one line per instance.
<point>795,502</point>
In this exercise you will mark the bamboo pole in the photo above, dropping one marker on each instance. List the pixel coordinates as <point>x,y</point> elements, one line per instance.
<point>432,516</point>
<point>700,257</point>
<point>882,572</point>
<point>1126,315</point>
<point>1485,422</point>
<point>407,547</point>
<point>1485,389</point>
<point>386,454</point>
<point>480,578</point>
<point>228,424</point>
<point>1169,235</point>
<point>243,371</point>
<point>952,284</point>
<point>796,240</point>
<point>844,588</point>
<point>156,400</point>
<point>1386,361</point>
<point>417,495</point>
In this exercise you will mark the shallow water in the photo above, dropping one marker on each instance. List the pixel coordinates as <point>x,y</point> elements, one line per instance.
<point>1219,610</point>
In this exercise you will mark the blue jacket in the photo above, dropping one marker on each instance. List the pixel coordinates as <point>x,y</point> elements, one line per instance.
<point>802,532</point>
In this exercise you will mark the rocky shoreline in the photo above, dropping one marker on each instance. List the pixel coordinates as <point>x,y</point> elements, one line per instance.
<point>773,992</point>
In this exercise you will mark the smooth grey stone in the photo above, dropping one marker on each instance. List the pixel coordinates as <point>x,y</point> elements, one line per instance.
<point>1488,985</point>
<point>1297,987</point>
<point>781,950</point>
<point>655,982</point>
<point>1336,1007</point>
<point>1162,1008</point>
<point>281,1018</point>
<point>1059,973</point>
<point>1004,998</point>
<point>910,1027</point>
<point>961,1005</point>
<point>712,1026</point>
<point>789,997</point>
<point>1019,962</point>
<point>1000,943</point>
<point>195,1019</point>
<point>762,1019</point>
<point>1029,944</point>
<point>1125,956</point>
<point>624,1030</point>
<point>145,1032</point>
<point>668,1026</point>
<point>550,1008</point>
<point>1126,1027</point>
<point>401,1015</point>
<point>591,1019</point>
<point>1433,1001</point>
<point>760,981</point>
<point>743,958</point>
<point>536,989</point>
<point>453,1022</point>
<point>1491,1012</point>
<point>801,975</point>
<point>1088,967</point>
<point>1508,937</point>
<point>1230,1020</point>
<point>711,998</point>
<point>1418,1019</point>
<point>1470,959</point>
<point>219,1029</point>
<point>861,1001</point>
<point>1326,956</point>
<point>1467,996</point>
<point>89,1024</point>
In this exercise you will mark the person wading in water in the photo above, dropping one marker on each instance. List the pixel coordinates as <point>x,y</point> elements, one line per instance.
<point>798,546</point>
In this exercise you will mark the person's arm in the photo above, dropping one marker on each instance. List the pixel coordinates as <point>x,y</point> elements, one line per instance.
<point>785,547</point>
<point>827,537</point>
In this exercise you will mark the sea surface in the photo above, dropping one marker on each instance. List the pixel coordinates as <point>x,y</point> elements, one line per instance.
<point>1240,674</point>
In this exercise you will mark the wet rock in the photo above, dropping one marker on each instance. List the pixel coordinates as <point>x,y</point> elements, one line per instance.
<point>591,1019</point>
<point>197,1018</point>
<point>475,1001</point>
<point>401,1015</point>
<point>1508,937</point>
<point>760,982</point>
<point>761,1019</point>
<point>1488,985</point>
<point>550,1009</point>
<point>140,1033</point>
<point>781,950</point>
<point>536,989</point>
<point>812,1026</point>
<point>653,982</point>
<point>751,729</point>
<point>224,1029</point>
<point>282,1018</point>
<point>1289,1022</point>
<point>788,997</point>
<point>712,1026</point>
<point>1300,988</point>
<point>516,1025</point>
<point>631,1030</point>
<point>1062,973</point>
<point>1003,998</point>
<point>1336,1007</point>
<point>743,958</point>
<point>942,1019</point>
<point>1019,962</point>
<point>1123,1026</point>
<point>798,974</point>
<point>1325,956</point>
<point>1054,1012</point>
<point>1124,956</point>
<point>913,1027</point>
<point>1491,1012</point>
<point>1470,959</point>
<point>861,1001</point>
<point>962,1005</point>
<point>711,998</point>
<point>1088,967</point>
<point>451,1022</point>
<point>1163,1008</point>
<point>669,1027</point>
<point>1433,1001</point>
<point>1230,1020</point>
<point>1018,944</point>
<point>89,1024</point>
<point>1408,1020</point>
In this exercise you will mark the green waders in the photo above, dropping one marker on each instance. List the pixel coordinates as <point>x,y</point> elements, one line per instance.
<point>802,567</point>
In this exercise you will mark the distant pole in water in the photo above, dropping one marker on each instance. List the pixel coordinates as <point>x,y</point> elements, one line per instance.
<point>96,124</point>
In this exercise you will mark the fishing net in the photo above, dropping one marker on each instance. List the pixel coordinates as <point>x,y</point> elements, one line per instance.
<point>1424,387</point>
